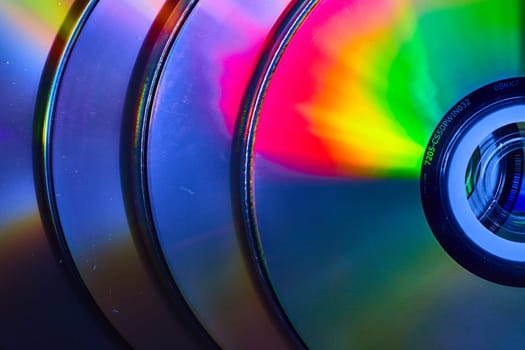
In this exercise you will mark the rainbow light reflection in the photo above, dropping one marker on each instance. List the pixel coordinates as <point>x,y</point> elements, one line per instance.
<point>35,21</point>
<point>362,85</point>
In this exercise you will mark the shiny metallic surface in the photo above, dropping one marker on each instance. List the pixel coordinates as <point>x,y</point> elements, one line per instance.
<point>189,149</point>
<point>84,167</point>
<point>41,305</point>
<point>240,174</point>
<point>333,176</point>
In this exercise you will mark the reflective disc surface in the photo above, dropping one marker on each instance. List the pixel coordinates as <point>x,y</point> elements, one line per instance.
<point>338,135</point>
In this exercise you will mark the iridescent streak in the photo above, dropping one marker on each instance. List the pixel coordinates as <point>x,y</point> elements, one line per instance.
<point>159,40</point>
<point>347,111</point>
<point>147,72</point>
<point>333,107</point>
<point>237,61</point>
<point>50,83</point>
<point>65,42</point>
<point>39,21</point>
<point>36,19</point>
<point>356,91</point>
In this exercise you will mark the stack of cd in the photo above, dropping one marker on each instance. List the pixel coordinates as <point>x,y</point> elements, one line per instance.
<point>278,174</point>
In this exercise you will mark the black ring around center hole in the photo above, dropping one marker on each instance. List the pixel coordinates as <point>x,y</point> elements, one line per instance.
<point>498,209</point>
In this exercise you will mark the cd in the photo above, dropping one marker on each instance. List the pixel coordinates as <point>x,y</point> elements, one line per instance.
<point>355,106</point>
<point>323,174</point>
<point>184,147</point>
<point>79,148</point>
<point>194,289</point>
<point>40,304</point>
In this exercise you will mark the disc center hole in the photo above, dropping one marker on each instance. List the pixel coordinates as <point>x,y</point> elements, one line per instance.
<point>493,182</point>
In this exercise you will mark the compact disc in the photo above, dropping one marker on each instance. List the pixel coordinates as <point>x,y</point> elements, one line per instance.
<point>277,174</point>
<point>40,304</point>
<point>186,145</point>
<point>338,124</point>
<point>79,145</point>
